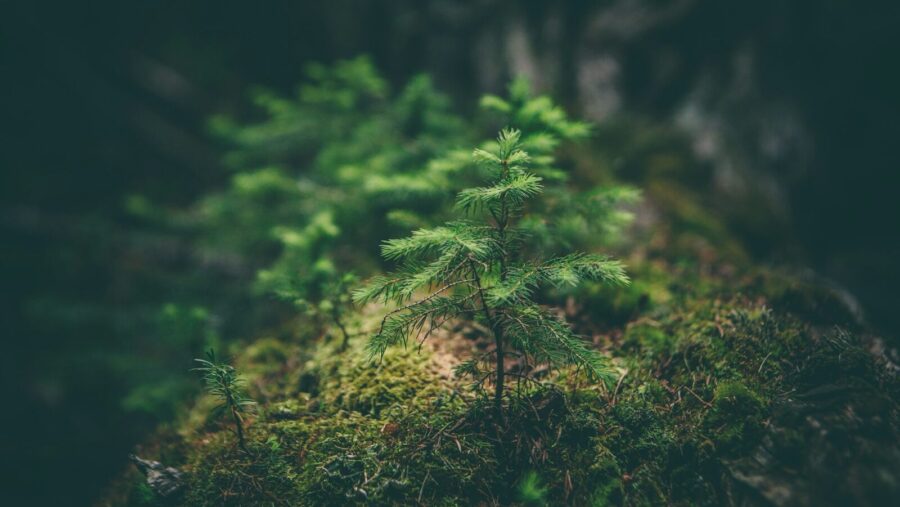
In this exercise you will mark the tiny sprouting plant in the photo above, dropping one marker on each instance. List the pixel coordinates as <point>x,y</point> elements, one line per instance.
<point>322,293</point>
<point>335,305</point>
<point>224,383</point>
<point>483,269</point>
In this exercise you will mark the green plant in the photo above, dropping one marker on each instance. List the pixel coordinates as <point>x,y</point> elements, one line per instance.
<point>320,177</point>
<point>332,303</point>
<point>343,163</point>
<point>532,490</point>
<point>224,383</point>
<point>336,304</point>
<point>481,269</point>
<point>317,288</point>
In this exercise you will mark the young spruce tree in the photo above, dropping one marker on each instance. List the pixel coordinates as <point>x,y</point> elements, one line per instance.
<point>223,382</point>
<point>480,269</point>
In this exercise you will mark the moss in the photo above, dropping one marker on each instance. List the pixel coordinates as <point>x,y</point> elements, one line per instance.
<point>642,437</point>
<point>706,367</point>
<point>652,391</point>
<point>837,355</point>
<point>606,483</point>
<point>532,491</point>
<point>648,340</point>
<point>266,352</point>
<point>289,409</point>
<point>403,378</point>
<point>221,474</point>
<point>351,458</point>
<point>735,419</point>
<point>357,439</point>
<point>553,434</point>
<point>804,298</point>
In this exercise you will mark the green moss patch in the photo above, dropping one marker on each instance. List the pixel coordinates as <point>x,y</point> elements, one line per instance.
<point>713,375</point>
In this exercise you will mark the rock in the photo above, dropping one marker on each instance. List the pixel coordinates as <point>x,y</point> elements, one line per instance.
<point>166,482</point>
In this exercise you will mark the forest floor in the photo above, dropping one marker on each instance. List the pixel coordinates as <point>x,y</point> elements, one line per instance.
<point>738,385</point>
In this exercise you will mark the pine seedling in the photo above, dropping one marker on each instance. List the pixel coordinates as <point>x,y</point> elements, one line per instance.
<point>317,289</point>
<point>335,305</point>
<point>338,304</point>
<point>223,382</point>
<point>480,269</point>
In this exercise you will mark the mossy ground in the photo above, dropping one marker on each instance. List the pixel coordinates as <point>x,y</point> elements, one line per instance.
<point>737,386</point>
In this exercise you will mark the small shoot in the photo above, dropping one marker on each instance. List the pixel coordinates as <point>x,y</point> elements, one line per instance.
<point>224,383</point>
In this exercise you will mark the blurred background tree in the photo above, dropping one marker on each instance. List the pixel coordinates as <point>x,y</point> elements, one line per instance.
<point>779,114</point>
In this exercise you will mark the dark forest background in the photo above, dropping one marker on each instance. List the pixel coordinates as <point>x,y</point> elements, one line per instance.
<point>792,104</point>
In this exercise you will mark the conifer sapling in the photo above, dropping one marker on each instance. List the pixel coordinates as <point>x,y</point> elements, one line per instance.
<point>337,303</point>
<point>223,382</point>
<point>482,269</point>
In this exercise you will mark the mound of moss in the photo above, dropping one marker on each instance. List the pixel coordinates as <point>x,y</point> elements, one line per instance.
<point>730,394</point>
<point>738,385</point>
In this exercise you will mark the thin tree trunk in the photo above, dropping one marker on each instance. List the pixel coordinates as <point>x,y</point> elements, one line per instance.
<point>498,341</point>
<point>337,320</point>
<point>239,429</point>
<point>498,334</point>
<point>498,391</point>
